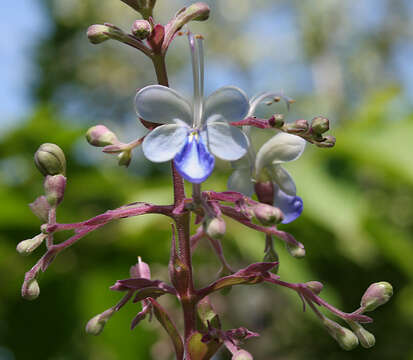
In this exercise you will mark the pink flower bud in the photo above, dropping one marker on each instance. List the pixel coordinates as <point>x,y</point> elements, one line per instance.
<point>242,355</point>
<point>141,29</point>
<point>345,337</point>
<point>376,295</point>
<point>100,135</point>
<point>267,214</point>
<point>315,286</point>
<point>54,187</point>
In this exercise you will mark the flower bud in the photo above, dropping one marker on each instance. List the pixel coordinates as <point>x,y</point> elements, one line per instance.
<point>96,324</point>
<point>277,120</point>
<point>124,158</point>
<point>54,187</point>
<point>267,214</point>
<point>298,127</point>
<point>141,29</point>
<point>26,247</point>
<point>100,136</point>
<point>40,207</point>
<point>366,338</point>
<point>31,291</point>
<point>50,159</point>
<point>215,227</point>
<point>376,295</point>
<point>345,337</point>
<point>296,251</point>
<point>242,355</point>
<point>320,125</point>
<point>328,141</point>
<point>315,286</point>
<point>99,33</point>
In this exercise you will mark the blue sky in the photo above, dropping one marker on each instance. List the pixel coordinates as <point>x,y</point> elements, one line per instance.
<point>21,25</point>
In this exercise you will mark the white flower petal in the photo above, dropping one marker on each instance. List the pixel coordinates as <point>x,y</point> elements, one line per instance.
<point>225,141</point>
<point>279,149</point>
<point>240,181</point>
<point>283,179</point>
<point>162,105</point>
<point>230,102</point>
<point>164,142</point>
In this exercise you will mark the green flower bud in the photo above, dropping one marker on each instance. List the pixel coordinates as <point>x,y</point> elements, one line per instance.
<point>32,290</point>
<point>327,142</point>
<point>376,295</point>
<point>141,29</point>
<point>320,125</point>
<point>315,286</point>
<point>40,207</point>
<point>215,227</point>
<point>26,247</point>
<point>366,339</point>
<point>54,187</point>
<point>296,251</point>
<point>277,120</point>
<point>50,159</point>
<point>100,136</point>
<point>99,33</point>
<point>345,337</point>
<point>242,355</point>
<point>267,214</point>
<point>124,158</point>
<point>96,324</point>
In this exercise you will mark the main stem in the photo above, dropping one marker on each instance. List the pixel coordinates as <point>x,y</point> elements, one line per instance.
<point>182,221</point>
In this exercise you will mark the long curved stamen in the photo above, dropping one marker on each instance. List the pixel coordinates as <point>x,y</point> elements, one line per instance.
<point>198,77</point>
<point>255,101</point>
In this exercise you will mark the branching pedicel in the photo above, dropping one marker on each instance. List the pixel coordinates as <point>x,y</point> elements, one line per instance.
<point>190,134</point>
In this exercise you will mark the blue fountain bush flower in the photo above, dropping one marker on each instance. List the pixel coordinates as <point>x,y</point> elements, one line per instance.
<point>193,132</point>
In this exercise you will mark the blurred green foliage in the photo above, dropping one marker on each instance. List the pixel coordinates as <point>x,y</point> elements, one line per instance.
<point>357,225</point>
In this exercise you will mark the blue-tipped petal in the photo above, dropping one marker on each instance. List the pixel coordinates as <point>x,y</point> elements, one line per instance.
<point>291,206</point>
<point>230,102</point>
<point>194,162</point>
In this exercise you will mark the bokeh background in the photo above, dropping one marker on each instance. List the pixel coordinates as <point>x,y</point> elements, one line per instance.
<point>348,60</point>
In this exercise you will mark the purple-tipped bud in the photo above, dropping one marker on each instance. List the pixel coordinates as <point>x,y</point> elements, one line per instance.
<point>215,227</point>
<point>100,136</point>
<point>141,29</point>
<point>50,159</point>
<point>345,337</point>
<point>315,286</point>
<point>277,120</point>
<point>124,158</point>
<point>366,338</point>
<point>26,247</point>
<point>54,187</point>
<point>242,355</point>
<point>327,142</point>
<point>40,207</point>
<point>99,33</point>
<point>31,291</point>
<point>298,127</point>
<point>295,250</point>
<point>96,324</point>
<point>267,214</point>
<point>376,295</point>
<point>320,125</point>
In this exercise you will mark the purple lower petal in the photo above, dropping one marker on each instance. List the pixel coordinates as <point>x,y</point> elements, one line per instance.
<point>291,206</point>
<point>194,162</point>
